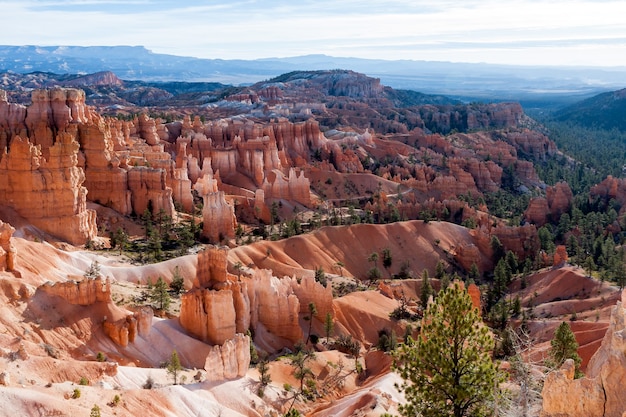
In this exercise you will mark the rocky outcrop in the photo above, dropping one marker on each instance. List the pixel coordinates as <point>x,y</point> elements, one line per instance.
<point>7,249</point>
<point>611,188</point>
<point>274,306</point>
<point>601,392</point>
<point>218,306</point>
<point>209,315</point>
<point>48,192</point>
<point>295,187</point>
<point>558,200</point>
<point>181,183</point>
<point>85,292</point>
<point>106,173</point>
<point>532,143</point>
<point>51,111</point>
<point>229,360</point>
<point>125,331</point>
<point>537,211</point>
<point>565,396</point>
<point>149,189</point>
<point>90,154</point>
<point>521,240</point>
<point>443,119</point>
<point>219,221</point>
<point>12,118</point>
<point>310,291</point>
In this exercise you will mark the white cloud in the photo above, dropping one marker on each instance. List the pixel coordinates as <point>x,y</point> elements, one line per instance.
<point>526,31</point>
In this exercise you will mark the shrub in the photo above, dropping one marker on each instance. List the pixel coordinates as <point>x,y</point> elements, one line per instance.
<point>76,393</point>
<point>149,384</point>
<point>387,341</point>
<point>347,344</point>
<point>95,411</point>
<point>83,381</point>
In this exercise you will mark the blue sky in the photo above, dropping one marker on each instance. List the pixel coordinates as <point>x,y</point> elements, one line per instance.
<point>526,32</point>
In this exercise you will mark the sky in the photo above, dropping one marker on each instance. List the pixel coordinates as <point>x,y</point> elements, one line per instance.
<point>524,32</point>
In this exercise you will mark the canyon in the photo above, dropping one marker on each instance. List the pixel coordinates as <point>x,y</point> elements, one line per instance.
<point>287,187</point>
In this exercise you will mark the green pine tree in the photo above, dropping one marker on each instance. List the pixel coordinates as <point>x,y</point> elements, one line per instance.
<point>174,367</point>
<point>160,295</point>
<point>426,289</point>
<point>564,346</point>
<point>448,370</point>
<point>329,325</point>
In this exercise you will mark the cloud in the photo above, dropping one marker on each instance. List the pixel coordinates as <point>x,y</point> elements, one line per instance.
<point>481,30</point>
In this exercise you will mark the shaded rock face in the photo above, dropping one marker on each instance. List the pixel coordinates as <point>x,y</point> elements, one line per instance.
<point>601,393</point>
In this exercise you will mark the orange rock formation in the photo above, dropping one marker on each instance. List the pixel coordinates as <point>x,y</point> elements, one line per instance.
<point>48,192</point>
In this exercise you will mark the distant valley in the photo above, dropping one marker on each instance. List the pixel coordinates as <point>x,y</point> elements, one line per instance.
<point>532,86</point>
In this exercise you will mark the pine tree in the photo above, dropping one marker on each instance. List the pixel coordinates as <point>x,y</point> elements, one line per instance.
<point>174,367</point>
<point>178,282</point>
<point>312,313</point>
<point>426,289</point>
<point>320,276</point>
<point>564,346</point>
<point>121,239</point>
<point>328,325</point>
<point>440,270</point>
<point>264,376</point>
<point>93,271</point>
<point>448,370</point>
<point>387,260</point>
<point>160,295</point>
<point>473,274</point>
